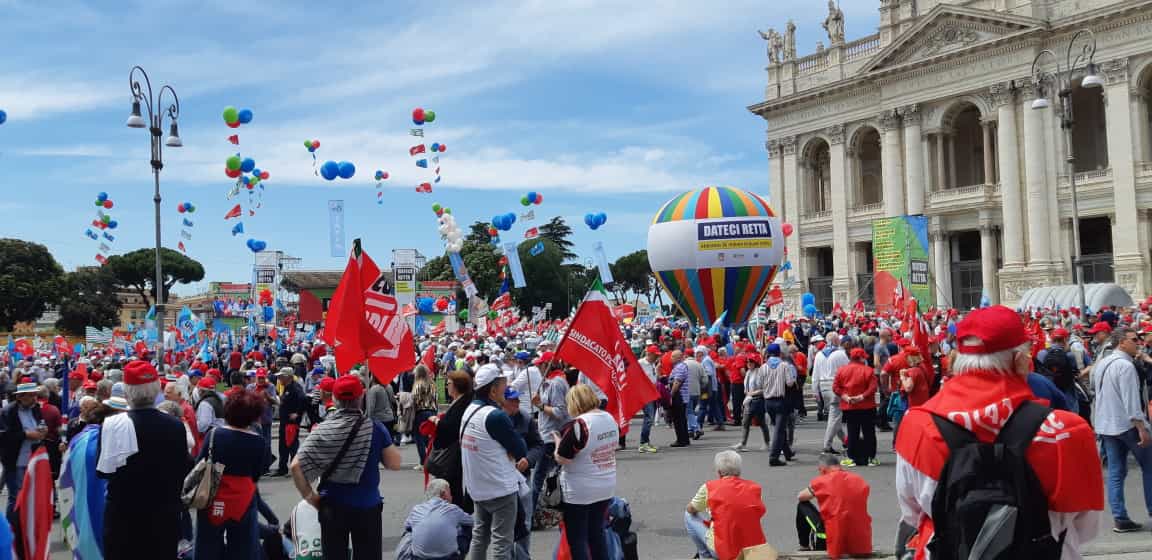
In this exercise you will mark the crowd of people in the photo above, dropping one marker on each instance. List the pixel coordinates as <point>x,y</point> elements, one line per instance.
<point>512,440</point>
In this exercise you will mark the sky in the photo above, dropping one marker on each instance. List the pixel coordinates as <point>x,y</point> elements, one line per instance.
<point>596,105</point>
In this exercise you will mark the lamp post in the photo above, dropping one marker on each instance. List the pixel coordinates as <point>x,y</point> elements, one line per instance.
<point>1060,81</point>
<point>154,124</point>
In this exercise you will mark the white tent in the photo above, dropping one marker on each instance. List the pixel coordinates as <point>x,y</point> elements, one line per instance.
<point>1067,297</point>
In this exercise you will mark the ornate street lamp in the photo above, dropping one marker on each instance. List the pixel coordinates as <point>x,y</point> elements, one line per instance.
<point>154,124</point>
<point>1060,81</point>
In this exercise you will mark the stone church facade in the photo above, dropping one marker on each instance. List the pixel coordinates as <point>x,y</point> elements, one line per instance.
<point>936,115</point>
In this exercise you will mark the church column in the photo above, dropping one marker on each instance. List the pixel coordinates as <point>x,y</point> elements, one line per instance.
<point>941,182</point>
<point>941,263</point>
<point>989,159</point>
<point>1036,180</point>
<point>1127,259</point>
<point>952,160</point>
<point>1009,156</point>
<point>841,283</point>
<point>775,177</point>
<point>791,174</point>
<point>893,169</point>
<point>913,156</point>
<point>988,256</point>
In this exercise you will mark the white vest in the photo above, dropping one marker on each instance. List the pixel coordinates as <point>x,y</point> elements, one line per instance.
<point>488,472</point>
<point>591,476</point>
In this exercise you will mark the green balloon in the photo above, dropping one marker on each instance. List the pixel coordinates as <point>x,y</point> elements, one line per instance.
<point>106,218</point>
<point>429,116</point>
<point>447,210</point>
<point>436,207</point>
<point>524,201</point>
<point>100,204</point>
<point>231,115</point>
<point>463,315</point>
<point>493,314</point>
<point>233,163</point>
<point>307,143</point>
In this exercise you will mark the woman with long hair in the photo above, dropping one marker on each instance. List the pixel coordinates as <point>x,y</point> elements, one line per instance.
<point>424,403</point>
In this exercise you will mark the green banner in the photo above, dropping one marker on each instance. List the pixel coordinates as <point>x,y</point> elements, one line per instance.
<point>900,261</point>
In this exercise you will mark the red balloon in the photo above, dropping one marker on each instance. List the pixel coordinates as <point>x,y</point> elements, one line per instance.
<point>180,208</point>
<point>108,204</point>
<point>251,186</point>
<point>443,148</point>
<point>232,173</point>
<point>234,124</point>
<point>315,144</point>
<point>264,175</point>
<point>787,229</point>
<point>417,114</point>
<point>539,198</point>
<point>385,174</point>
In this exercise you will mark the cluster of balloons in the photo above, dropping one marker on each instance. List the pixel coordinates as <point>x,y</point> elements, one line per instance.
<point>437,147</point>
<point>104,221</point>
<point>503,222</point>
<point>450,232</point>
<point>331,170</point>
<point>435,305</point>
<point>235,117</point>
<point>531,198</point>
<point>440,210</point>
<point>421,116</point>
<point>255,245</point>
<point>185,207</point>
<point>808,305</point>
<point>381,175</point>
<point>3,116</point>
<point>595,219</point>
<point>312,145</point>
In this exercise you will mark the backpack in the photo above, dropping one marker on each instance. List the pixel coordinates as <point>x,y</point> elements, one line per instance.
<point>988,502</point>
<point>1058,367</point>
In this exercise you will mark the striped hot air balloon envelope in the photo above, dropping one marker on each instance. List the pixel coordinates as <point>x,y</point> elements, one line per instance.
<point>714,250</point>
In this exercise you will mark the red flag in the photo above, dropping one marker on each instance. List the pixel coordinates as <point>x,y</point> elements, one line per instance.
<point>363,322</point>
<point>438,329</point>
<point>532,233</point>
<point>417,149</point>
<point>775,296</point>
<point>859,306</point>
<point>504,301</point>
<point>410,310</point>
<point>33,514</point>
<point>61,345</point>
<point>141,347</point>
<point>595,345</point>
<point>235,139</point>
<point>429,358</point>
<point>233,213</point>
<point>24,347</point>
<point>180,246</point>
<point>101,259</point>
<point>424,188</point>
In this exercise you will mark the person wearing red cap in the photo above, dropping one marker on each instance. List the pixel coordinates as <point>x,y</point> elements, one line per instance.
<point>988,386</point>
<point>144,457</point>
<point>348,493</point>
<point>1098,346</point>
<point>855,387</point>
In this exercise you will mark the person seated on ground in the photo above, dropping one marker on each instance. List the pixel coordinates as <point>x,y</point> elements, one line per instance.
<point>841,524</point>
<point>735,506</point>
<point>432,521</point>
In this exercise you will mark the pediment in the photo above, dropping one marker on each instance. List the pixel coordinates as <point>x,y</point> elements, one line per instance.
<point>947,30</point>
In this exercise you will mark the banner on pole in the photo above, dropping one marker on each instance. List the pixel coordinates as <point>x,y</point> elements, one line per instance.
<point>900,253</point>
<point>461,273</point>
<point>513,253</point>
<point>602,263</point>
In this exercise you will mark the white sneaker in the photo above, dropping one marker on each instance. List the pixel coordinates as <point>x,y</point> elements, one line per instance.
<point>739,447</point>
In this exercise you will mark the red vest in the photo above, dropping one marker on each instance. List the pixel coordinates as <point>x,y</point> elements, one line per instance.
<point>843,500</point>
<point>736,507</point>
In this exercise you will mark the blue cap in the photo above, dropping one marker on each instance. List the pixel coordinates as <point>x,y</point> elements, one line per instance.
<point>195,373</point>
<point>773,350</point>
<point>523,355</point>
<point>510,394</point>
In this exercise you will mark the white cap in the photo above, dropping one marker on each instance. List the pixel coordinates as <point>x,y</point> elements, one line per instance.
<point>487,373</point>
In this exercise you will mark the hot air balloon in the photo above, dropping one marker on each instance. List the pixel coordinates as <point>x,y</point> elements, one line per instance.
<point>715,250</point>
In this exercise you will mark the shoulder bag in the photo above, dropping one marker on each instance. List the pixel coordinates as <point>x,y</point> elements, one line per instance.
<point>202,482</point>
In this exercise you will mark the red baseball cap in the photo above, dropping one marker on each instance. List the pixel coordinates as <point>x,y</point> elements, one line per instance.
<point>326,384</point>
<point>139,372</point>
<point>858,354</point>
<point>652,349</point>
<point>207,382</point>
<point>1059,333</point>
<point>991,329</point>
<point>544,358</point>
<point>347,388</point>
<point>89,385</point>
<point>1100,326</point>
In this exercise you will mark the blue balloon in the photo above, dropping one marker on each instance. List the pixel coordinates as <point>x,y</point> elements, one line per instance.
<point>807,299</point>
<point>511,218</point>
<point>112,224</point>
<point>346,169</point>
<point>810,310</point>
<point>245,116</point>
<point>590,220</point>
<point>102,196</point>
<point>425,305</point>
<point>247,165</point>
<point>311,149</point>
<point>435,146</point>
<point>330,170</point>
<point>3,116</point>
<point>255,245</point>
<point>532,197</point>
<point>256,172</point>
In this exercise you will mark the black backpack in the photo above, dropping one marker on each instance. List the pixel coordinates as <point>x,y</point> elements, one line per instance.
<point>988,502</point>
<point>1058,367</point>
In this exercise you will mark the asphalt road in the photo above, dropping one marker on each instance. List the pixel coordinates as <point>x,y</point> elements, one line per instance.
<point>658,486</point>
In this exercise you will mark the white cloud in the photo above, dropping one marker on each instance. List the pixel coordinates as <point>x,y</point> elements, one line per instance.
<point>31,97</point>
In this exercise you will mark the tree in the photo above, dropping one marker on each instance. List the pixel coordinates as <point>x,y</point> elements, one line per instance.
<point>558,231</point>
<point>631,273</point>
<point>89,300</point>
<point>548,279</point>
<point>30,281</point>
<point>137,271</point>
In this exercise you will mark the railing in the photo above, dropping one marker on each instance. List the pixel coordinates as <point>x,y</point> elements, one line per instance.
<point>812,63</point>
<point>1097,268</point>
<point>821,288</point>
<point>1144,168</point>
<point>960,192</point>
<point>815,215</point>
<point>1088,176</point>
<point>864,290</point>
<point>862,47</point>
<point>866,208</point>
